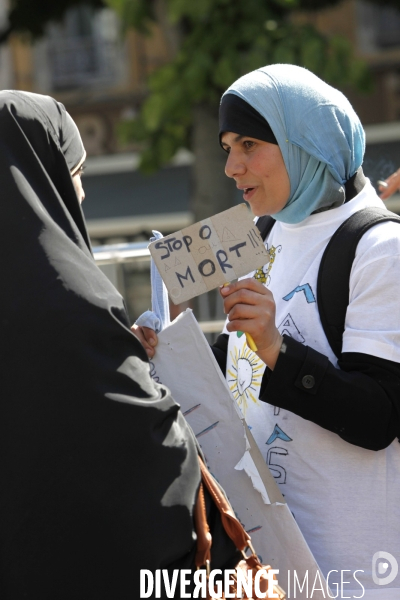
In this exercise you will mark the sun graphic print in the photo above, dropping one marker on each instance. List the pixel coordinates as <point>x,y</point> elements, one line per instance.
<point>244,376</point>
<point>263,273</point>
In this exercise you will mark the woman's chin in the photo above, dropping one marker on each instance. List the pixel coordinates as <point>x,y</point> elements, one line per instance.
<point>258,211</point>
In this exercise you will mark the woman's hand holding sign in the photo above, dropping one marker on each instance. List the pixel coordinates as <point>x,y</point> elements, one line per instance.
<point>251,308</point>
<point>147,337</point>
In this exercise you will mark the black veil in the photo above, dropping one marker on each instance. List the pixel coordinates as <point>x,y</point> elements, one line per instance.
<point>98,467</point>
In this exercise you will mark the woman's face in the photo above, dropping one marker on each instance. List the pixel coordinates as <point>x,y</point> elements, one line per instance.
<point>259,170</point>
<point>77,181</point>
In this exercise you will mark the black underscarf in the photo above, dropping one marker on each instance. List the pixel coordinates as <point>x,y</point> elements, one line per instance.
<point>237,116</point>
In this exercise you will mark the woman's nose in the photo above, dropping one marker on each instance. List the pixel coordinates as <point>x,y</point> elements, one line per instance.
<point>234,166</point>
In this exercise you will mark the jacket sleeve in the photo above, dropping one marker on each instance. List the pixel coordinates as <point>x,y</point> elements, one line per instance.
<point>220,350</point>
<point>360,401</point>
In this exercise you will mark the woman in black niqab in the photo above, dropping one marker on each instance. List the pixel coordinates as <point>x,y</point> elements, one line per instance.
<point>98,467</point>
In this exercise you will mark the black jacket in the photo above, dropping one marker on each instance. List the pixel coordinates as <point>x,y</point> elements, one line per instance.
<point>360,401</point>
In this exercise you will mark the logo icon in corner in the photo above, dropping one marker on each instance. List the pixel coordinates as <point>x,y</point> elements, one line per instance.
<point>381,561</point>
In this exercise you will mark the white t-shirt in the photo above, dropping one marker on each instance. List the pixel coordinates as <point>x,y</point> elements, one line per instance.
<point>345,499</point>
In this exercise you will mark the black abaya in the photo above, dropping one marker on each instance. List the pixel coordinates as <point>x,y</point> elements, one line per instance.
<point>98,467</point>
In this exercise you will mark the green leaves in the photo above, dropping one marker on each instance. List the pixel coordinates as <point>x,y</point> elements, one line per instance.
<point>224,71</point>
<point>342,68</point>
<point>134,13</point>
<point>32,16</point>
<point>195,10</point>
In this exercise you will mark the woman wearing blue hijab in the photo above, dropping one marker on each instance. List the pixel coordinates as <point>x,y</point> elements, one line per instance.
<point>327,427</point>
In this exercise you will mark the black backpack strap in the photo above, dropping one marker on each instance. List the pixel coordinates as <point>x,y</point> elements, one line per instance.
<point>334,271</point>
<point>264,225</point>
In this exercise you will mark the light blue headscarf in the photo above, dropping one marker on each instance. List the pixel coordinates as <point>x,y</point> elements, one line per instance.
<point>320,136</point>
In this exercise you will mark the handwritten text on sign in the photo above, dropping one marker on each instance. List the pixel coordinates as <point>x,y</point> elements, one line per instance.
<point>210,253</point>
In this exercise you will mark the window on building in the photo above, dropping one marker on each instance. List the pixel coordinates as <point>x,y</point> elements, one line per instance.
<point>378,27</point>
<point>85,49</point>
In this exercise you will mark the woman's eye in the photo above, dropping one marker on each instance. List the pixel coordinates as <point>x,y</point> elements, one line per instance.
<point>248,144</point>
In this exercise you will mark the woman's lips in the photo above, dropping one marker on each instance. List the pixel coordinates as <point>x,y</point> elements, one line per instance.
<point>248,193</point>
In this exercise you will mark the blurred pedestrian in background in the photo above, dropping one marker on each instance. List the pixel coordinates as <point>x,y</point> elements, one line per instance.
<point>389,186</point>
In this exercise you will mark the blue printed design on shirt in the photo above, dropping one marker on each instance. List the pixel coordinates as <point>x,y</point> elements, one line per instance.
<point>306,288</point>
<point>278,433</point>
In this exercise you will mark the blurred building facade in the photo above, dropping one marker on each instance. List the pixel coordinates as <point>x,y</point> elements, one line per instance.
<point>374,32</point>
<point>100,75</point>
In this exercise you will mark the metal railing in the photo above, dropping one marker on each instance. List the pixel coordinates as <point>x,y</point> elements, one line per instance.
<point>121,253</point>
<point>138,251</point>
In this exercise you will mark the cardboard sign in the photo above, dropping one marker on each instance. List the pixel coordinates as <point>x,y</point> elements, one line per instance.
<point>209,253</point>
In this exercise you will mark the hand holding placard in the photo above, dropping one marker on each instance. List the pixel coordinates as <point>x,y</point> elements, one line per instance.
<point>209,253</point>
<point>249,340</point>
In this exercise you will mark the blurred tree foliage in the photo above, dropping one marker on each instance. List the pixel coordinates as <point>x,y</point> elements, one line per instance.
<point>211,43</point>
<point>215,41</point>
<point>32,16</point>
<point>219,40</point>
